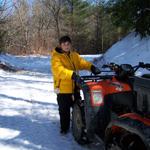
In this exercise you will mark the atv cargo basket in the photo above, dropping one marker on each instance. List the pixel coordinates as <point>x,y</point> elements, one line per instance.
<point>142,87</point>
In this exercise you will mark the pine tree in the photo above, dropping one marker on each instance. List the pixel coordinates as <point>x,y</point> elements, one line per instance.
<point>131,14</point>
<point>75,14</point>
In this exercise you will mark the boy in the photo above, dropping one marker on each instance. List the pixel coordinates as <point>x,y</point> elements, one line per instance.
<point>65,65</point>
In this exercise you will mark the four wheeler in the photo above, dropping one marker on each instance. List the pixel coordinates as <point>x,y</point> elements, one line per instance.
<point>131,131</point>
<point>105,98</point>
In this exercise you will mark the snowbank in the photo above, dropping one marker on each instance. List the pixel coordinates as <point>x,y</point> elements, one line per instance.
<point>131,50</point>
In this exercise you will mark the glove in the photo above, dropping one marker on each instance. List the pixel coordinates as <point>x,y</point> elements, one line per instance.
<point>95,70</point>
<point>77,78</point>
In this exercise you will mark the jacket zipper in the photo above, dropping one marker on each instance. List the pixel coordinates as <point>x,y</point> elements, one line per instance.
<point>72,64</point>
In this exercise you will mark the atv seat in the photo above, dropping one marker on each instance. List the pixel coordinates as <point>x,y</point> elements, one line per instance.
<point>142,88</point>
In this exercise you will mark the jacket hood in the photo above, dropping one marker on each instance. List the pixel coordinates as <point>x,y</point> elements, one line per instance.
<point>58,49</point>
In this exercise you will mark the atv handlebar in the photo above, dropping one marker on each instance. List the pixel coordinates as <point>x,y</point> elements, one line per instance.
<point>122,71</point>
<point>112,66</point>
<point>142,65</point>
<point>115,67</point>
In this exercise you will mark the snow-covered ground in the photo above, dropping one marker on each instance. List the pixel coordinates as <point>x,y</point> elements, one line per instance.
<point>29,117</point>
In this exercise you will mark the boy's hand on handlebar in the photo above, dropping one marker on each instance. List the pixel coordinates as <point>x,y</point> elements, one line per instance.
<point>95,70</point>
<point>77,78</point>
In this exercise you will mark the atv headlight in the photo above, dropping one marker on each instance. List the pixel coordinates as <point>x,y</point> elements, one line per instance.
<point>96,97</point>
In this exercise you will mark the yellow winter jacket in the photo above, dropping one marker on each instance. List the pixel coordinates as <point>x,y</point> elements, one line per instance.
<point>63,65</point>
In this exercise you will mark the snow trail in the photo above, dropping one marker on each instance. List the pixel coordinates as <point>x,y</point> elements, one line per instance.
<point>29,117</point>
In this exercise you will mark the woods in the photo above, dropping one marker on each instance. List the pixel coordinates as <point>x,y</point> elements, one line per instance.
<point>33,27</point>
<point>131,14</point>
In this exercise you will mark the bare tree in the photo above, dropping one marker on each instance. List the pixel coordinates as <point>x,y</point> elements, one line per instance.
<point>42,27</point>
<point>71,11</point>
<point>5,9</point>
<point>5,12</point>
<point>20,23</point>
<point>54,8</point>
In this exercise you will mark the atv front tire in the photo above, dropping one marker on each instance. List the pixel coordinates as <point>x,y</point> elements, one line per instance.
<point>78,126</point>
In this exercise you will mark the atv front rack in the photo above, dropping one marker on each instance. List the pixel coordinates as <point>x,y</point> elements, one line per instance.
<point>96,78</point>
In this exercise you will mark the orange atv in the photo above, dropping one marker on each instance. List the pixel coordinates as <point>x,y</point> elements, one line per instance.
<point>105,98</point>
<point>131,131</point>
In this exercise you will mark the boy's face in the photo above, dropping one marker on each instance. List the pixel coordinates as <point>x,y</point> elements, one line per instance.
<point>66,46</point>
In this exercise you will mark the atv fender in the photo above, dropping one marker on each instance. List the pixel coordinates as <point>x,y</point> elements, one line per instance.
<point>130,125</point>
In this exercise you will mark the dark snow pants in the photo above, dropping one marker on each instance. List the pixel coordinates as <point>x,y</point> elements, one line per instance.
<point>65,102</point>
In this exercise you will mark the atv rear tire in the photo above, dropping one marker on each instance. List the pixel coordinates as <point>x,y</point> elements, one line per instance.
<point>78,126</point>
<point>123,141</point>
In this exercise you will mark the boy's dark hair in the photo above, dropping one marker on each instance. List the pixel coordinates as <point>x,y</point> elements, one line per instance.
<point>64,39</point>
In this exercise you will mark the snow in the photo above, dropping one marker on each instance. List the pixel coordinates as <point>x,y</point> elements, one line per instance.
<point>30,63</point>
<point>130,50</point>
<point>29,117</point>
